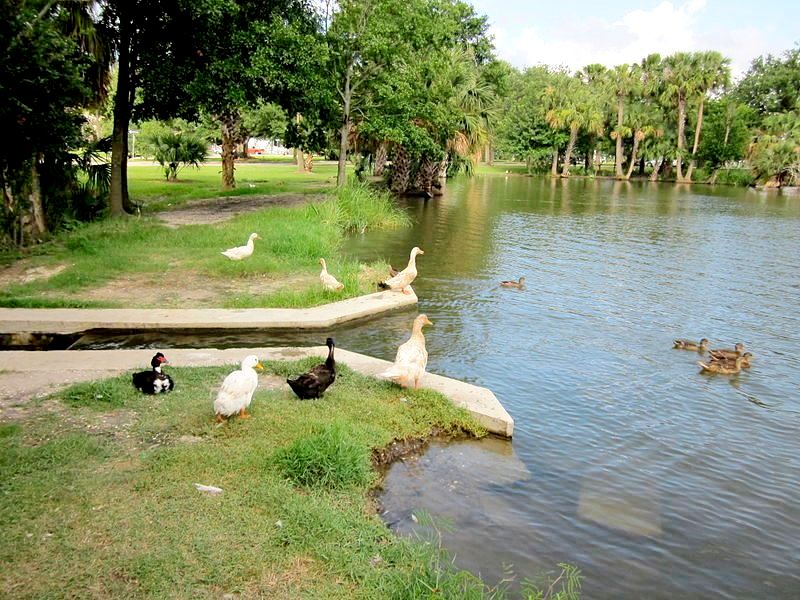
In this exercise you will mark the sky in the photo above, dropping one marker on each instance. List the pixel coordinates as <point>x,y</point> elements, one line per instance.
<point>579,32</point>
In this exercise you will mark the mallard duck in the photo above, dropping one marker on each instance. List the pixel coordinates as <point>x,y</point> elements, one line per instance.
<point>242,252</point>
<point>402,281</point>
<point>513,284</point>
<point>329,282</point>
<point>154,381</point>
<point>723,368</point>
<point>412,357</point>
<point>746,357</point>
<point>237,390</point>
<point>691,345</point>
<point>737,351</point>
<point>313,383</point>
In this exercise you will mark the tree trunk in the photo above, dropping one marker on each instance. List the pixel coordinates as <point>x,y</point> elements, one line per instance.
<point>443,166</point>
<point>681,137</point>
<point>554,165</point>
<point>308,162</point>
<point>713,179</point>
<point>636,140</point>
<point>656,169</point>
<point>573,137</point>
<point>122,116</point>
<point>641,166</point>
<point>618,153</point>
<point>228,143</point>
<point>697,129</point>
<point>344,133</point>
<point>381,154</point>
<point>37,207</point>
<point>298,158</point>
<point>426,176</point>
<point>401,170</point>
<point>528,165</point>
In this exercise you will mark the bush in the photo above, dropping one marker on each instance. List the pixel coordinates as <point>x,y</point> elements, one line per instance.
<point>743,177</point>
<point>173,151</point>
<point>329,458</point>
<point>358,207</point>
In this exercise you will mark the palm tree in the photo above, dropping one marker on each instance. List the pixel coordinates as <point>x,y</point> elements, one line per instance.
<point>713,73</point>
<point>680,83</point>
<point>644,123</point>
<point>622,81</point>
<point>571,106</point>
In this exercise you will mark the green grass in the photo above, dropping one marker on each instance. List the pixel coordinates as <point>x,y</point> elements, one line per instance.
<point>147,185</point>
<point>89,514</point>
<point>294,238</point>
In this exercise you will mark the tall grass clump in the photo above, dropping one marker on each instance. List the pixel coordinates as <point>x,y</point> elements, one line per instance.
<point>358,207</point>
<point>328,458</point>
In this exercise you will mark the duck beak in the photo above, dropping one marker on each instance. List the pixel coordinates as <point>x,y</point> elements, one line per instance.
<point>259,366</point>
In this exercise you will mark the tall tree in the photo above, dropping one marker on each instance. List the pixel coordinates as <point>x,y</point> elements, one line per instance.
<point>680,83</point>
<point>713,72</point>
<point>623,81</point>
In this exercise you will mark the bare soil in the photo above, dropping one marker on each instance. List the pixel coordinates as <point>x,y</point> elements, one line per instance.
<point>22,272</point>
<point>216,210</point>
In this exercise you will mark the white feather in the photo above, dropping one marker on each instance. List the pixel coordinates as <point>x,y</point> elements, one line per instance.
<point>237,390</point>
<point>242,252</point>
<point>329,282</point>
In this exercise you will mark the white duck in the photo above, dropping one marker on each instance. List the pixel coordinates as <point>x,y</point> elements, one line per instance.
<point>412,357</point>
<point>242,252</point>
<point>237,390</point>
<point>329,282</point>
<point>402,281</point>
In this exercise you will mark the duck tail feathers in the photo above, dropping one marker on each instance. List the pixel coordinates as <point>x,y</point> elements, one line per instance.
<point>383,286</point>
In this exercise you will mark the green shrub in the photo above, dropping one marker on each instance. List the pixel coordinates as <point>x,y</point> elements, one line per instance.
<point>173,151</point>
<point>328,458</point>
<point>743,177</point>
<point>358,207</point>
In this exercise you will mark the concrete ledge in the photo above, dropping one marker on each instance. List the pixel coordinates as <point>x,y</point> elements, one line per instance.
<point>83,365</point>
<point>74,320</point>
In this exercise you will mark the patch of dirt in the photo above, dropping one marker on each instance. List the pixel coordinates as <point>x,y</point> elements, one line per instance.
<point>217,210</point>
<point>142,290</point>
<point>22,272</point>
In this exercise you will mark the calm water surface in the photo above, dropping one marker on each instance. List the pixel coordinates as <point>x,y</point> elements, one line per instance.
<point>656,481</point>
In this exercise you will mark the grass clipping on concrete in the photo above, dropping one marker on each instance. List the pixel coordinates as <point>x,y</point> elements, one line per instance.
<point>91,510</point>
<point>140,262</point>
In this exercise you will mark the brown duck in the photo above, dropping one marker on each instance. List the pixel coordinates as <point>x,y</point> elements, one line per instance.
<point>736,352</point>
<point>723,368</point>
<point>513,284</point>
<point>691,345</point>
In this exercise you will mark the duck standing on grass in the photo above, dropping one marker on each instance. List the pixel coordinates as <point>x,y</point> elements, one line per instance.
<point>691,345</point>
<point>154,382</point>
<point>329,282</point>
<point>313,383</point>
<point>242,252</point>
<point>236,392</point>
<point>412,357</point>
<point>402,281</point>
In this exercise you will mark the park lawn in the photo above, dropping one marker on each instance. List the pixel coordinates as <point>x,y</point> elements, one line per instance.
<point>148,187</point>
<point>140,262</point>
<point>98,496</point>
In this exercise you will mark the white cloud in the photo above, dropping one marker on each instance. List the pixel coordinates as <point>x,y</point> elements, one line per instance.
<point>665,28</point>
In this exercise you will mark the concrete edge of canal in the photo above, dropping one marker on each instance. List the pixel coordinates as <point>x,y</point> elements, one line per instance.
<point>75,320</point>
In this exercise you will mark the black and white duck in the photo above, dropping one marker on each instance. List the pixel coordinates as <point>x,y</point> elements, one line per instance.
<point>314,383</point>
<point>154,381</point>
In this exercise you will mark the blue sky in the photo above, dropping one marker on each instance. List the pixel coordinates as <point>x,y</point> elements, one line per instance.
<point>578,32</point>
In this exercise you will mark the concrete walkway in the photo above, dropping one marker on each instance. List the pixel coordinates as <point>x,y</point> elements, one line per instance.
<point>74,320</point>
<point>40,372</point>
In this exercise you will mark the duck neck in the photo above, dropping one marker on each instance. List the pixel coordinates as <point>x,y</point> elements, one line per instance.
<point>157,369</point>
<point>329,362</point>
<point>416,331</point>
<point>412,261</point>
<point>324,267</point>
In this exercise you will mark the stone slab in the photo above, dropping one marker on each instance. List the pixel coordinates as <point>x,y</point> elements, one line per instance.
<point>82,365</point>
<point>74,320</point>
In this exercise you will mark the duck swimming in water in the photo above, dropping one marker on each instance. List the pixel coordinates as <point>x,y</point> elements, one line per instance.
<point>723,368</point>
<point>514,284</point>
<point>313,383</point>
<point>691,345</point>
<point>733,354</point>
<point>154,381</point>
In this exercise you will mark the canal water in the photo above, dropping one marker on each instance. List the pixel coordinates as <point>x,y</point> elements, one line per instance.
<point>654,480</point>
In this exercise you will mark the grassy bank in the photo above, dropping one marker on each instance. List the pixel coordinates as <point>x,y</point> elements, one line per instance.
<point>140,262</point>
<point>148,187</point>
<point>91,510</point>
